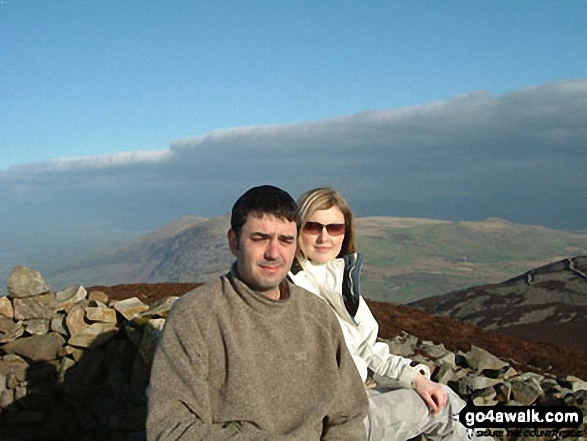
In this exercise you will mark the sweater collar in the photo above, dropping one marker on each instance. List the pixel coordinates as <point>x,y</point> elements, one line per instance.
<point>254,298</point>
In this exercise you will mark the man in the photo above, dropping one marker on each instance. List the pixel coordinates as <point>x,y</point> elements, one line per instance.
<point>252,356</point>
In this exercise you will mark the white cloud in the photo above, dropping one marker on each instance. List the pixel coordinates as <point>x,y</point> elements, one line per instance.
<point>94,162</point>
<point>472,156</point>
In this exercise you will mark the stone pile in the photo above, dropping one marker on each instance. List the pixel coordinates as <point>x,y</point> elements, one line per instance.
<point>486,380</point>
<point>75,365</point>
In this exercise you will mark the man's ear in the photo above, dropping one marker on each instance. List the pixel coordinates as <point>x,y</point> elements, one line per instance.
<point>232,242</point>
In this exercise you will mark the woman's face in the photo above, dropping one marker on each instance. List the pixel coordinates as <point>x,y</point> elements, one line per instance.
<point>322,235</point>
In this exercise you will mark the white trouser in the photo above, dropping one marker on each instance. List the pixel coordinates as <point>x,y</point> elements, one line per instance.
<point>398,414</point>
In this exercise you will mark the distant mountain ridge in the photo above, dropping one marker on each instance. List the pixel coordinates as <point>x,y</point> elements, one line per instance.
<point>406,259</point>
<point>190,249</point>
<point>548,304</point>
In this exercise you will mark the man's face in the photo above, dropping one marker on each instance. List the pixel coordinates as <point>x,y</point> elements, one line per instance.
<point>264,252</point>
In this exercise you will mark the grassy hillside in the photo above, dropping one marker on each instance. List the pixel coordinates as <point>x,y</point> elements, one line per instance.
<point>405,259</point>
<point>408,259</point>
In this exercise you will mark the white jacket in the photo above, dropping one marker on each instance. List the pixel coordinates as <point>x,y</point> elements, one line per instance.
<point>360,331</point>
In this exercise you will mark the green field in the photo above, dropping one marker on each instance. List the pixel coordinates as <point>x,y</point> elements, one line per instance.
<point>409,259</point>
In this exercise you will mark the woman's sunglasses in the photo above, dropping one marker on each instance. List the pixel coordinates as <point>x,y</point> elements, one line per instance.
<point>317,227</point>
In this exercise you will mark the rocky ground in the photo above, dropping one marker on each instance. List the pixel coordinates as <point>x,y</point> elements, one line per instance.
<point>75,364</point>
<point>524,354</point>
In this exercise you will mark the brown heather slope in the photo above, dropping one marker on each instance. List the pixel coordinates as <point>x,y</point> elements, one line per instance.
<point>148,293</point>
<point>523,354</point>
<point>546,304</point>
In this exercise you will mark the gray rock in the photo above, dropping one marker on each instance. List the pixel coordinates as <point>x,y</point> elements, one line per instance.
<point>101,313</point>
<point>420,359</point>
<point>9,329</point>
<point>409,339</point>
<point>509,373</point>
<point>526,391</point>
<point>448,373</point>
<point>485,397</point>
<point>6,308</point>
<point>577,383</point>
<point>550,385</point>
<point>530,375</point>
<point>479,360</point>
<point>403,345</point>
<point>98,296</point>
<point>25,282</point>
<point>58,324</point>
<point>66,299</point>
<point>75,320</point>
<point>160,308</point>
<point>503,392</point>
<point>130,308</point>
<point>444,373</point>
<point>20,392</point>
<point>94,335</point>
<point>36,348</point>
<point>70,351</point>
<point>449,359</point>
<point>556,396</point>
<point>473,384</point>
<point>6,398</point>
<point>40,306</point>
<point>12,380</point>
<point>580,400</point>
<point>65,364</point>
<point>13,365</point>
<point>36,326</point>
<point>433,350</point>
<point>397,347</point>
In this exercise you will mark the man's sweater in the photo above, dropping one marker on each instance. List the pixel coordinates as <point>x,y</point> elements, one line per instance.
<point>234,364</point>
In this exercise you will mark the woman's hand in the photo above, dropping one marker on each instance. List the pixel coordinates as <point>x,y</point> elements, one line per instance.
<point>432,393</point>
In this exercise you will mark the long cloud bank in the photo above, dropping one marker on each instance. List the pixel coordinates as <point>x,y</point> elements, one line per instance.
<point>519,156</point>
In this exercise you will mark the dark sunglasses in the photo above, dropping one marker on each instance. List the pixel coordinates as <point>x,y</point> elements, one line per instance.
<point>317,227</point>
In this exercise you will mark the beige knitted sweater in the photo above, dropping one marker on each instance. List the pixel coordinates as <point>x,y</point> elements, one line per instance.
<point>234,364</point>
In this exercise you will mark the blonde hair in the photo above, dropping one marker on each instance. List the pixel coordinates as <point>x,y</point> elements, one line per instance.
<point>324,198</point>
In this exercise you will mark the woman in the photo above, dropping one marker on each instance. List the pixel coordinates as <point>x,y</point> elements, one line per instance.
<point>327,265</point>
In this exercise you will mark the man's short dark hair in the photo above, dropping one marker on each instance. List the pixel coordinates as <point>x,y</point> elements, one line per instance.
<point>265,199</point>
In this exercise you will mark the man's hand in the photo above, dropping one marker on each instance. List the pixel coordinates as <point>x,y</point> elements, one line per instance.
<point>432,393</point>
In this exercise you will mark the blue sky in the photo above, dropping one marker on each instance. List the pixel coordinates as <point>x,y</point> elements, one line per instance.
<point>93,78</point>
<point>117,117</point>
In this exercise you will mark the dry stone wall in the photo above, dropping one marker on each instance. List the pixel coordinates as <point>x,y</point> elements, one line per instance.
<point>75,366</point>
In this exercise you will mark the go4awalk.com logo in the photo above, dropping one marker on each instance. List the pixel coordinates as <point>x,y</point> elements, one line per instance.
<point>520,419</point>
